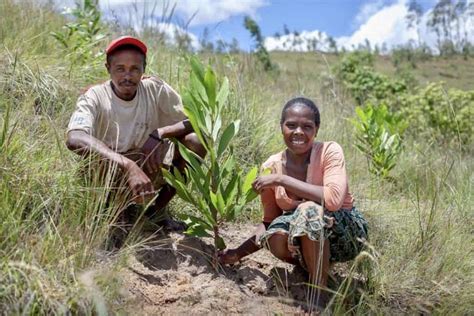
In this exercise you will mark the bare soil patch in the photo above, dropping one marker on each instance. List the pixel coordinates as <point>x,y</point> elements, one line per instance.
<point>175,276</point>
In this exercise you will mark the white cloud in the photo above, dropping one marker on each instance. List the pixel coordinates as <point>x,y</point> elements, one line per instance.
<point>305,41</point>
<point>172,32</point>
<point>367,10</point>
<point>378,24</point>
<point>196,11</point>
<point>212,11</point>
<point>383,25</point>
<point>387,25</point>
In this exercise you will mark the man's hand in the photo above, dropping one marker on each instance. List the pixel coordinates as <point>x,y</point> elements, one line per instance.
<point>264,182</point>
<point>154,154</point>
<point>139,183</point>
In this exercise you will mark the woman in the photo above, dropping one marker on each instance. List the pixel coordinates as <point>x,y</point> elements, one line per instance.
<point>308,213</point>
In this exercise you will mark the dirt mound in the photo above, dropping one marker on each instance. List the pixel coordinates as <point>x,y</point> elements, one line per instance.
<point>175,276</point>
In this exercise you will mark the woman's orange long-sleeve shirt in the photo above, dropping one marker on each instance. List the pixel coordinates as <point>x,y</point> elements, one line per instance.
<point>326,168</point>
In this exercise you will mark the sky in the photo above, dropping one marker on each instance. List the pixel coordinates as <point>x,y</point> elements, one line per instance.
<point>349,22</point>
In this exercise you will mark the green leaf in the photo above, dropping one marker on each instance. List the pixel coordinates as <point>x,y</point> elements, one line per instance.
<point>204,209</point>
<point>227,136</point>
<point>178,176</point>
<point>194,120</point>
<point>197,69</point>
<point>249,179</point>
<point>251,195</point>
<point>220,204</point>
<point>181,190</point>
<point>210,84</point>
<point>191,158</point>
<point>231,189</point>
<point>198,89</point>
<point>216,128</point>
<point>208,121</point>
<point>213,197</point>
<point>223,93</point>
<point>197,227</point>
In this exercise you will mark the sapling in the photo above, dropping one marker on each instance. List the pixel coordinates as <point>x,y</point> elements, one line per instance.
<point>214,186</point>
<point>379,137</point>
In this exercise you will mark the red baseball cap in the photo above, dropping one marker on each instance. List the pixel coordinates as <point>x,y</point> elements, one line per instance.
<point>126,40</point>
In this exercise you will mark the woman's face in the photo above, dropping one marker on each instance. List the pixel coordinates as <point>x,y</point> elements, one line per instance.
<point>299,129</point>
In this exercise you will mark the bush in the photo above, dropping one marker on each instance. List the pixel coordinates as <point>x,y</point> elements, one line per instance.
<point>357,74</point>
<point>378,135</point>
<point>445,114</point>
<point>80,38</point>
<point>215,187</point>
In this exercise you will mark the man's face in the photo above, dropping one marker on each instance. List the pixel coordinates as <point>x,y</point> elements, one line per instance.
<point>126,69</point>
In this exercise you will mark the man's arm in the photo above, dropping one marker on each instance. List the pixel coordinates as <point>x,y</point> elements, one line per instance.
<point>84,144</point>
<point>176,130</point>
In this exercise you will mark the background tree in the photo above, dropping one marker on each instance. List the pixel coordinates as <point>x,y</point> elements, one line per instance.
<point>440,21</point>
<point>206,44</point>
<point>332,45</point>
<point>413,18</point>
<point>261,51</point>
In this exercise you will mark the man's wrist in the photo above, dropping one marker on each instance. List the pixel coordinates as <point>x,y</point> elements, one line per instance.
<point>156,135</point>
<point>124,162</point>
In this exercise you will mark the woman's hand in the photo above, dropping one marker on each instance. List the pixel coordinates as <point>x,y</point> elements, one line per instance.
<point>228,256</point>
<point>267,181</point>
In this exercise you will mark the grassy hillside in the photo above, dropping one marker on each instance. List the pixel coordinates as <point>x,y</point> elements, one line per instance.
<point>54,223</point>
<point>455,71</point>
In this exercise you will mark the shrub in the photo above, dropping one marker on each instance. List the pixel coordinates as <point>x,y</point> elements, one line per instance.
<point>357,74</point>
<point>81,36</point>
<point>378,135</point>
<point>216,187</point>
<point>446,114</point>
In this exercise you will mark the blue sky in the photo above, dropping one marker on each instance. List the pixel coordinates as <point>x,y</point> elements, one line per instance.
<point>350,22</point>
<point>336,17</point>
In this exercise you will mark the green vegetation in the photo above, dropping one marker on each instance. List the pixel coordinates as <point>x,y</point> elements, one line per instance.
<point>54,223</point>
<point>260,51</point>
<point>81,37</point>
<point>379,137</point>
<point>216,188</point>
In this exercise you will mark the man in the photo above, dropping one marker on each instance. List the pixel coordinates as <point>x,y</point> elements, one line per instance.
<point>129,120</point>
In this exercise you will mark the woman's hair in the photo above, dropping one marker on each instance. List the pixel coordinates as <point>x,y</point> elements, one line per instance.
<point>301,101</point>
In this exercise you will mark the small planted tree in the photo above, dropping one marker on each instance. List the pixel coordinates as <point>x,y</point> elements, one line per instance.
<point>214,186</point>
<point>378,135</point>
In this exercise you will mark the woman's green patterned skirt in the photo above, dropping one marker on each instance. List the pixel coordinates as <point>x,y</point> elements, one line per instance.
<point>345,229</point>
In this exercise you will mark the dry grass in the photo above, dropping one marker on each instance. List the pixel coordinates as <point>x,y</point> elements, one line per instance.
<point>54,225</point>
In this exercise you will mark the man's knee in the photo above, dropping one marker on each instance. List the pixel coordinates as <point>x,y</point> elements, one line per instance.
<point>191,141</point>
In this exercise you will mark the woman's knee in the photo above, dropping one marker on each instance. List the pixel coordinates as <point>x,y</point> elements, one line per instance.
<point>308,208</point>
<point>278,246</point>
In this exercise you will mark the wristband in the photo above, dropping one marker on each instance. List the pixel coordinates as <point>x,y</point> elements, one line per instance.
<point>157,138</point>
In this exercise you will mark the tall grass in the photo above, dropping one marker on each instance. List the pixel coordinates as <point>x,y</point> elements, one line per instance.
<point>55,218</point>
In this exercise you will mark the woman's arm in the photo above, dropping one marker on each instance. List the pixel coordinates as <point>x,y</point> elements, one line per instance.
<point>299,188</point>
<point>230,256</point>
<point>334,189</point>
